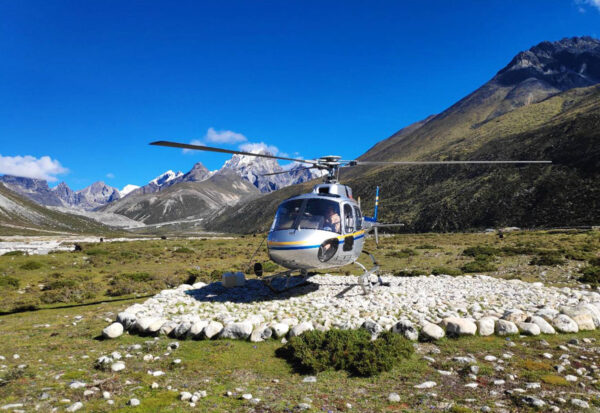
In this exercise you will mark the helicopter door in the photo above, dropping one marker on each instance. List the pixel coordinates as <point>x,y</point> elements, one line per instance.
<point>349,227</point>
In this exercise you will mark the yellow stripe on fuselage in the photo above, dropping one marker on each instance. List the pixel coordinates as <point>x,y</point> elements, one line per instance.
<point>278,243</point>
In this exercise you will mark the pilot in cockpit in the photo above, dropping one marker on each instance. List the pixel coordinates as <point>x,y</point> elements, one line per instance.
<point>332,220</point>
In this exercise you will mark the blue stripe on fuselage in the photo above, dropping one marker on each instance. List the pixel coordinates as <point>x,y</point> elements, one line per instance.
<point>306,247</point>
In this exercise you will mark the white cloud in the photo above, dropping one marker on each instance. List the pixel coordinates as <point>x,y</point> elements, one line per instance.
<point>110,175</point>
<point>260,147</point>
<point>31,167</point>
<point>224,136</point>
<point>593,3</point>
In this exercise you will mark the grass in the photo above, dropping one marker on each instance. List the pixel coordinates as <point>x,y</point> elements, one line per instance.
<point>67,348</point>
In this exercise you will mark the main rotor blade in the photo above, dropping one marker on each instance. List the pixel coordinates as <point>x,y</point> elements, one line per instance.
<point>288,171</point>
<point>212,149</point>
<point>449,162</point>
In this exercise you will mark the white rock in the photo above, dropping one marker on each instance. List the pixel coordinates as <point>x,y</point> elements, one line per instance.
<point>431,332</point>
<point>74,407</point>
<point>394,398</point>
<point>580,403</point>
<point>529,329</point>
<point>118,366</point>
<point>426,385</point>
<point>459,326</point>
<point>237,331</point>
<point>133,402</point>
<point>196,329</point>
<point>300,328</point>
<point>406,328</point>
<point>505,327</point>
<point>485,326</point>
<point>212,329</point>
<point>185,396</point>
<point>77,384</point>
<point>545,327</point>
<point>280,329</point>
<point>564,324</point>
<point>113,331</point>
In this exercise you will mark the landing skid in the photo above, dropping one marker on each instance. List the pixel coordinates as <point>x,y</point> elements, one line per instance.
<point>364,281</point>
<point>290,281</point>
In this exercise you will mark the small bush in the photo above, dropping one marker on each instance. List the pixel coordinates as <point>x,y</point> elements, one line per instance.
<point>409,273</point>
<point>426,247</point>
<point>590,274</point>
<point>518,250</point>
<point>478,266</point>
<point>16,253</point>
<point>269,266</point>
<point>480,250</point>
<point>446,270</point>
<point>595,262</point>
<point>547,258</point>
<point>96,251</point>
<point>555,380</point>
<point>75,294</point>
<point>31,265</point>
<point>350,350</point>
<point>9,282</point>
<point>129,254</point>
<point>183,250</point>
<point>58,284</point>
<point>403,253</point>
<point>137,276</point>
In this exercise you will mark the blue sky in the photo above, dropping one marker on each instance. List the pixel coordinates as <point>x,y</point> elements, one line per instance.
<point>86,85</point>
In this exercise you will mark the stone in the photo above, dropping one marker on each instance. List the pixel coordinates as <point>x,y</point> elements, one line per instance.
<point>185,396</point>
<point>237,331</point>
<point>300,328</point>
<point>533,402</point>
<point>406,328</point>
<point>459,326</point>
<point>426,385</point>
<point>547,314</point>
<point>372,327</point>
<point>583,315</point>
<point>490,358</point>
<point>260,333</point>
<point>181,330</point>
<point>75,406</point>
<point>514,315</point>
<point>247,396</point>
<point>571,378</point>
<point>431,332</point>
<point>167,328</point>
<point>505,327</point>
<point>394,398</point>
<point>195,331</point>
<point>76,384</point>
<point>545,327</point>
<point>485,326</point>
<point>118,366</point>
<point>565,324</point>
<point>133,402</point>
<point>126,319</point>
<point>213,329</point>
<point>309,379</point>
<point>113,331</point>
<point>280,329</point>
<point>580,403</point>
<point>529,329</point>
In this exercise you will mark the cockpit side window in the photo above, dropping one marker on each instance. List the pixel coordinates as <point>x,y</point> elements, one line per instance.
<point>348,218</point>
<point>358,218</point>
<point>287,214</point>
<point>321,214</point>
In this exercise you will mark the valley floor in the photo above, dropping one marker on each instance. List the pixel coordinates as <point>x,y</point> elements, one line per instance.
<point>49,354</point>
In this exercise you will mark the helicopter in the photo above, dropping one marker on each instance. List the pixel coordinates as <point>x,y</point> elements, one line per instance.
<point>324,228</point>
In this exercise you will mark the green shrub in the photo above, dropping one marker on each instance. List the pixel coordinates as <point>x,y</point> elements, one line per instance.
<point>403,253</point>
<point>518,250</point>
<point>350,350</point>
<point>426,247</point>
<point>137,276</point>
<point>446,270</point>
<point>590,274</point>
<point>409,273</point>
<point>9,282</point>
<point>16,253</point>
<point>31,265</point>
<point>96,251</point>
<point>269,266</point>
<point>129,254</point>
<point>478,265</point>
<point>78,293</point>
<point>183,250</point>
<point>595,262</point>
<point>480,250</point>
<point>547,258</point>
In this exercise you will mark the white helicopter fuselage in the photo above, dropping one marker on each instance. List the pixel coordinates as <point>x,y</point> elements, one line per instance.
<point>303,237</point>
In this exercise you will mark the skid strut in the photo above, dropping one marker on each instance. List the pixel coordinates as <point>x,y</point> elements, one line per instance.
<point>302,280</point>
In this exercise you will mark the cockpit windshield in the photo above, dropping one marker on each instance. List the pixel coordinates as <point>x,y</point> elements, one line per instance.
<point>321,214</point>
<point>287,214</point>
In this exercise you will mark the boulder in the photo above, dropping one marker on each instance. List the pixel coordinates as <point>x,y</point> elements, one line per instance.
<point>545,327</point>
<point>372,327</point>
<point>529,329</point>
<point>581,315</point>
<point>113,331</point>
<point>514,315</point>
<point>505,327</point>
<point>406,328</point>
<point>280,329</point>
<point>155,326</point>
<point>431,332</point>
<point>195,331</point>
<point>260,333</point>
<point>565,324</point>
<point>456,326</point>
<point>213,329</point>
<point>237,331</point>
<point>127,319</point>
<point>168,327</point>
<point>486,325</point>
<point>547,314</point>
<point>301,328</point>
<point>181,330</point>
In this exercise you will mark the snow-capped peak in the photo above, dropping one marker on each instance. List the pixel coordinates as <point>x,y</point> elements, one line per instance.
<point>166,177</point>
<point>127,189</point>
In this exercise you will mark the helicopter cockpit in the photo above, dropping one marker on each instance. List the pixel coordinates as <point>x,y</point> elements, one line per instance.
<point>309,213</point>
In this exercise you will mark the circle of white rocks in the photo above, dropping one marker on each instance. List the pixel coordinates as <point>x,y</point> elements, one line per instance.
<point>426,308</point>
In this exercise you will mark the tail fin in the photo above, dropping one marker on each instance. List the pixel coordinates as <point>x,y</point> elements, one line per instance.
<point>376,203</point>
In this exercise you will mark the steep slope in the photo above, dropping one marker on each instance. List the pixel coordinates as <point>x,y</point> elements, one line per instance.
<point>19,214</point>
<point>186,200</point>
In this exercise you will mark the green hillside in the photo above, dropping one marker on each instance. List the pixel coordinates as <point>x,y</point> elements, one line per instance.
<point>564,129</point>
